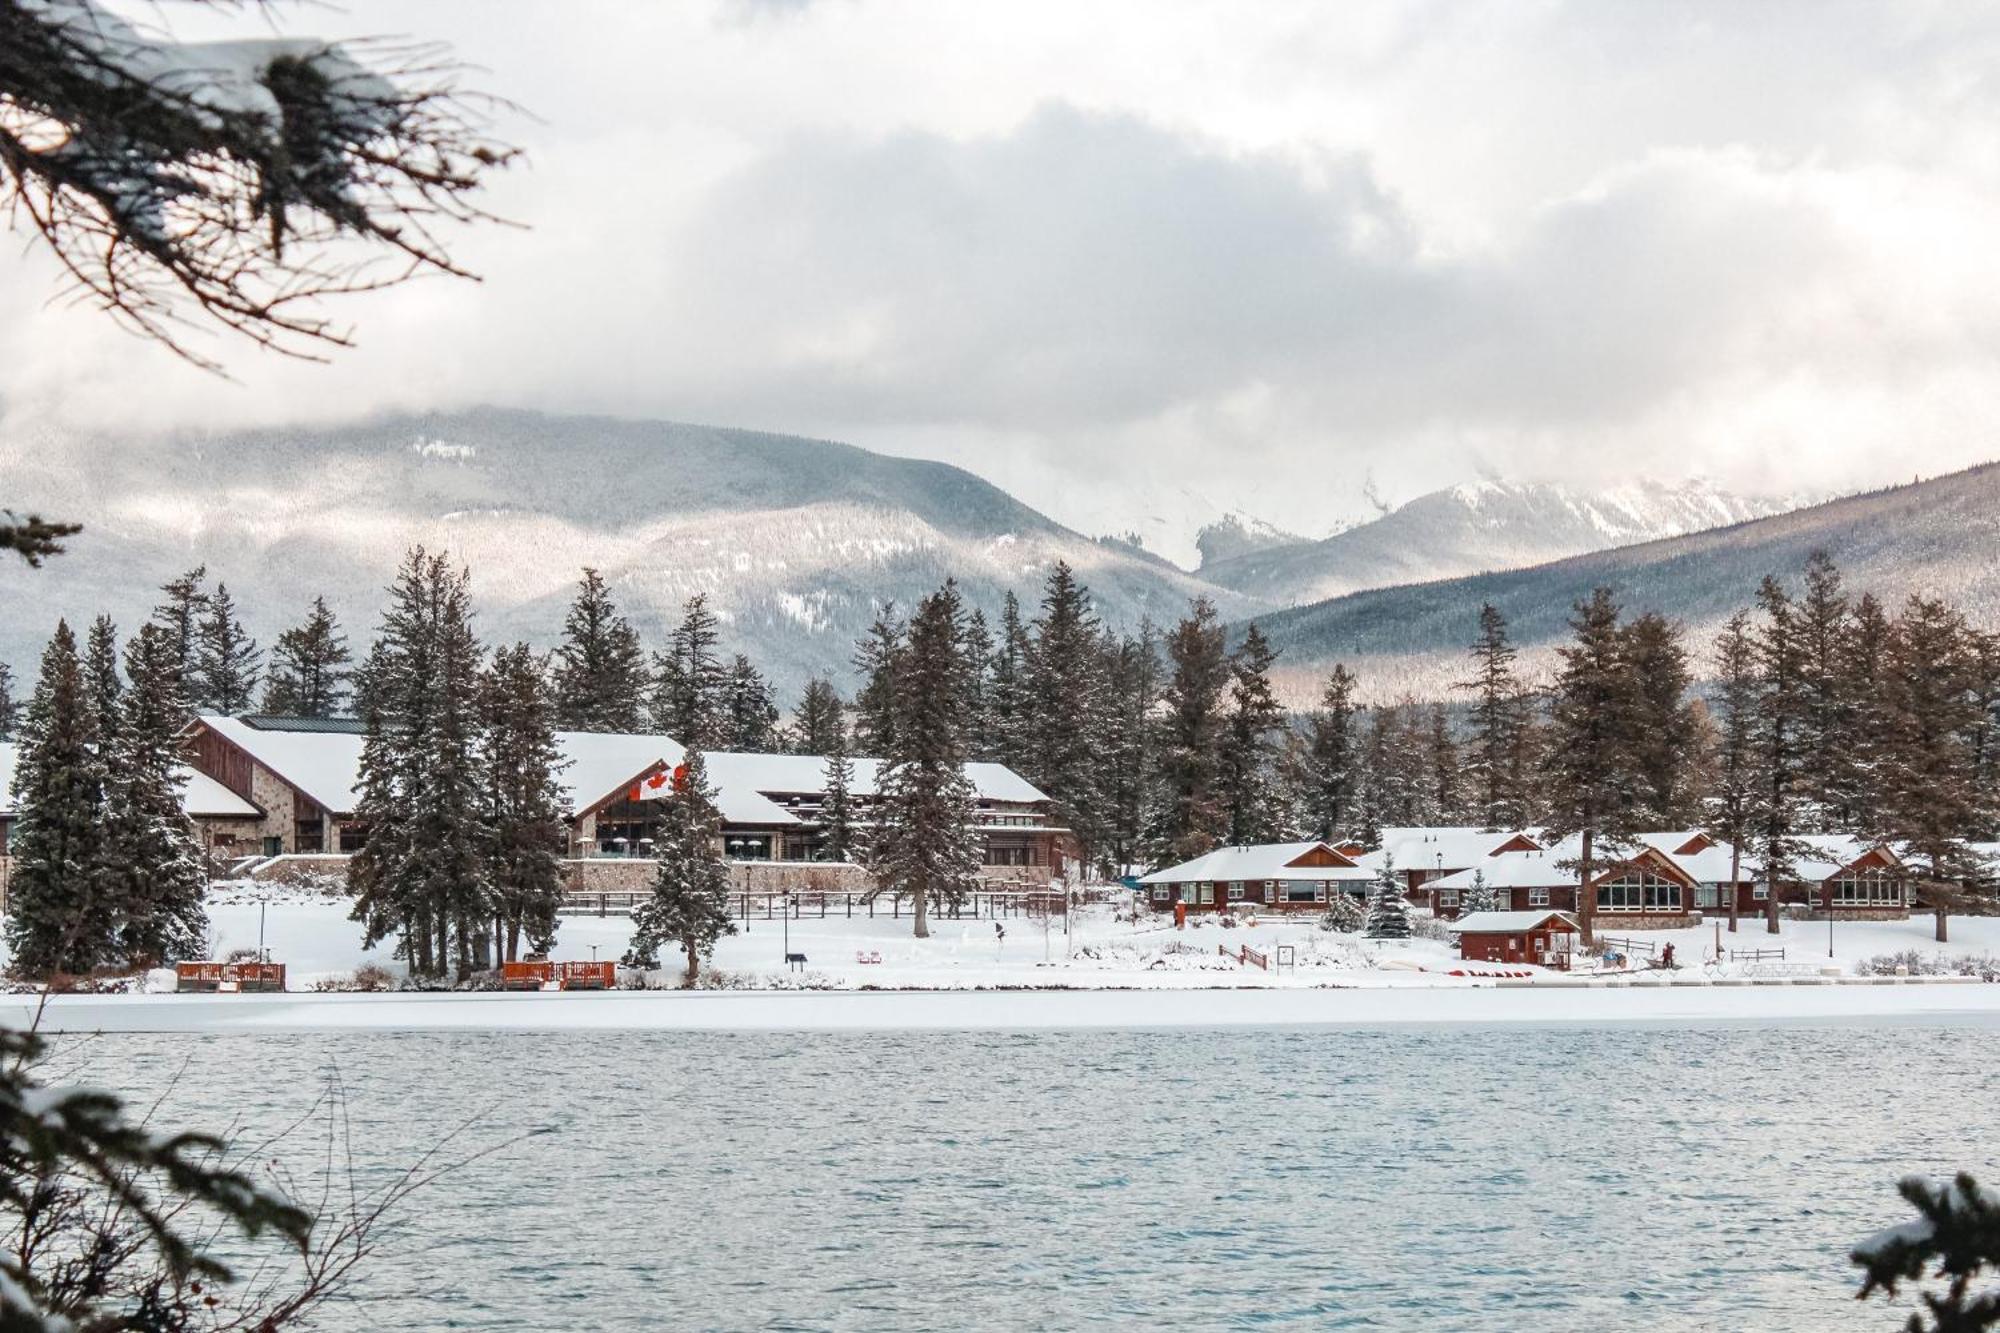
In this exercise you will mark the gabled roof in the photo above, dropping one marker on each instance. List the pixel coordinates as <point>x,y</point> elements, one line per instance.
<point>1671,841</point>
<point>1269,860</point>
<point>1509,923</point>
<point>747,783</point>
<point>201,796</point>
<point>1452,847</point>
<point>1553,868</point>
<point>1827,854</point>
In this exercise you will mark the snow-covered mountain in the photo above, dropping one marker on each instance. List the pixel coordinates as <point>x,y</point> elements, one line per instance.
<point>1479,527</point>
<point>795,540</point>
<point>1236,535</point>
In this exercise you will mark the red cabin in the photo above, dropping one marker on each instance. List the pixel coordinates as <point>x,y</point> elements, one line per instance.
<point>212,977</point>
<point>1543,937</point>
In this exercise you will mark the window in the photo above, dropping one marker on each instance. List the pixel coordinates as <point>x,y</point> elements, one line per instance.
<point>1302,891</point>
<point>1322,890</point>
<point>1760,892</point>
<point>1706,895</point>
<point>1207,893</point>
<point>1876,886</point>
<point>1638,890</point>
<point>1162,894</point>
<point>1235,890</point>
<point>1448,898</point>
<point>1538,897</point>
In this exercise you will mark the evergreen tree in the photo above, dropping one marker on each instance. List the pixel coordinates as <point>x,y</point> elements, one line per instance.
<point>100,672</point>
<point>309,672</point>
<point>182,609</point>
<point>58,920</point>
<point>422,875</point>
<point>690,902</point>
<point>524,801</point>
<point>977,649</point>
<point>1189,816</point>
<point>875,658</point>
<point>923,846</point>
<point>1388,905</point>
<point>819,722</point>
<point>1957,1229</point>
<point>1826,710</point>
<point>1495,752</point>
<point>600,675</point>
<point>1663,732</point>
<point>1592,780</point>
<point>1864,667</point>
<point>1441,758</point>
<point>1477,896</point>
<point>154,869</point>
<point>837,832</point>
<point>1063,730</point>
<point>749,709</point>
<point>1776,815</point>
<point>227,659</point>
<point>1982,737</point>
<point>689,681</point>
<point>1736,697</point>
<point>1006,688</point>
<point>1132,673</point>
<point>1331,801</point>
<point>1928,798</point>
<point>1247,742</point>
<point>10,709</point>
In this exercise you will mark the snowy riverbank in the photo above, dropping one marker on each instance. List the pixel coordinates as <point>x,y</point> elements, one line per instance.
<point>1974,1004</point>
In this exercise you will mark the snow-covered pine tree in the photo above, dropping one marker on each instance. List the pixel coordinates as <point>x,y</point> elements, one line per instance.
<point>1441,764</point>
<point>1329,804</point>
<point>1343,913</point>
<point>1189,816</point>
<point>1131,754</point>
<point>182,608</point>
<point>227,658</point>
<point>689,680</point>
<point>689,905</point>
<point>101,678</point>
<point>1929,800</point>
<point>1955,1238</point>
<point>923,846</point>
<point>309,673</point>
<point>749,709</point>
<point>978,650</point>
<point>524,801</point>
<point>819,722</point>
<point>1779,755</point>
<point>1733,764</point>
<point>422,874</point>
<point>1477,896</point>
<point>875,657</point>
<point>1864,668</point>
<point>1248,742</point>
<point>1591,781</point>
<point>154,868</point>
<point>10,708</point>
<point>1063,725</point>
<point>600,670</point>
<point>837,831</point>
<point>1663,732</point>
<point>1827,712</point>
<point>1007,676</point>
<point>58,919</point>
<point>1388,905</point>
<point>1500,718</point>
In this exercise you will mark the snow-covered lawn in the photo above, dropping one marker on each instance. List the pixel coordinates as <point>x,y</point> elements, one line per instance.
<point>315,939</point>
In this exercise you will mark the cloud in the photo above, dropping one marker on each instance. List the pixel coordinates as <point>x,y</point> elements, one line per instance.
<point>1117,257</point>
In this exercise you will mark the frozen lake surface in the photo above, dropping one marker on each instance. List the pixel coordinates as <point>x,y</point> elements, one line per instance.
<point>1703,1176</point>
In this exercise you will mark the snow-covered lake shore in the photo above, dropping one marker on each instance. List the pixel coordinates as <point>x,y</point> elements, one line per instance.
<point>1975,1004</point>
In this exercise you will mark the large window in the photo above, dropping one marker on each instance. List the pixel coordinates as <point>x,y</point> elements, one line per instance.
<point>1538,897</point>
<point>1873,887</point>
<point>1304,891</point>
<point>1235,890</point>
<point>1639,891</point>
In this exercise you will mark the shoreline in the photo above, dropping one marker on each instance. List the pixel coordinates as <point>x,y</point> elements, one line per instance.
<point>1973,1004</point>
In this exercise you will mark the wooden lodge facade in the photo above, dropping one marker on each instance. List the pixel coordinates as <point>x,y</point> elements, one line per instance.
<point>300,779</point>
<point>1280,877</point>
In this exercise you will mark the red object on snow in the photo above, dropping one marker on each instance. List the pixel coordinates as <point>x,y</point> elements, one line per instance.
<point>587,976</point>
<point>528,975</point>
<point>207,976</point>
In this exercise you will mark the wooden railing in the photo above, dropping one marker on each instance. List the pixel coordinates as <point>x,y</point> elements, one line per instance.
<point>818,904</point>
<point>1245,955</point>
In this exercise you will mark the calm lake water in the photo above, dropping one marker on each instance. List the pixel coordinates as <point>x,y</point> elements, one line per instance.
<point>1493,1177</point>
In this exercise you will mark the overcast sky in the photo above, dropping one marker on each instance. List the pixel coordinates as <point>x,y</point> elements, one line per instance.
<point>1106,254</point>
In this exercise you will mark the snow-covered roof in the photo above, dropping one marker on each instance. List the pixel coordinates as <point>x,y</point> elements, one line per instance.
<point>1827,854</point>
<point>1671,841</point>
<point>1551,868</point>
<point>1269,860</point>
<point>326,766</point>
<point>1452,847</point>
<point>605,763</point>
<point>1508,923</point>
<point>201,795</point>
<point>746,784</point>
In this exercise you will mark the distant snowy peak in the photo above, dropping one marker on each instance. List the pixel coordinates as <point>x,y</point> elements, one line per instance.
<point>1238,534</point>
<point>1485,526</point>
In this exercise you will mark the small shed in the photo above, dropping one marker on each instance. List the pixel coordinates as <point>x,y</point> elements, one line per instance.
<point>1541,936</point>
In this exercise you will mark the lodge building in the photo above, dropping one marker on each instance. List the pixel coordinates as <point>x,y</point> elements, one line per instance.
<point>300,783</point>
<point>1284,877</point>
